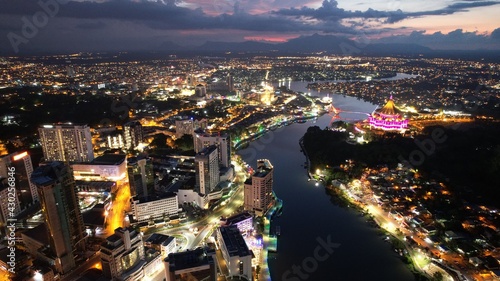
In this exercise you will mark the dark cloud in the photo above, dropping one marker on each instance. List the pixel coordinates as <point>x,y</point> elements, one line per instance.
<point>91,25</point>
<point>457,39</point>
<point>495,35</point>
<point>117,24</point>
<point>329,10</point>
<point>161,15</point>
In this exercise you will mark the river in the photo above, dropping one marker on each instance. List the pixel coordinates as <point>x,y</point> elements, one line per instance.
<point>310,216</point>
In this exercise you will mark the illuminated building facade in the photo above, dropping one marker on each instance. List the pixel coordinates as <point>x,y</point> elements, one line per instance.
<point>244,222</point>
<point>150,208</point>
<point>25,189</point>
<point>58,198</point>
<point>123,256</point>
<point>258,190</point>
<point>66,142</point>
<point>9,205</point>
<point>388,118</point>
<point>108,167</point>
<point>132,132</point>
<point>207,169</point>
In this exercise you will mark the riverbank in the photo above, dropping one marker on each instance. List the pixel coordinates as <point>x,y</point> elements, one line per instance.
<point>297,119</point>
<point>338,192</point>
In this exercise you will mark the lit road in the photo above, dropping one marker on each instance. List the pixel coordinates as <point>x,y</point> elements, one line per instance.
<point>387,222</point>
<point>204,225</point>
<point>119,206</point>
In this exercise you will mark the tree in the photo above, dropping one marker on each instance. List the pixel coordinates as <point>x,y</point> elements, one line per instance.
<point>185,143</point>
<point>159,141</point>
<point>437,276</point>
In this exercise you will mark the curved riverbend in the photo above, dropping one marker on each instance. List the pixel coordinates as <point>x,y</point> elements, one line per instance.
<point>312,218</point>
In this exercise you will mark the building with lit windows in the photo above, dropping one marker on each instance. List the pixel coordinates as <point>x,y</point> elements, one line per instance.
<point>25,189</point>
<point>388,118</point>
<point>235,251</point>
<point>61,142</point>
<point>258,190</point>
<point>222,141</point>
<point>244,222</point>
<point>123,257</point>
<point>184,127</point>
<point>132,132</point>
<point>9,204</point>
<point>61,212</point>
<point>207,169</point>
<point>153,208</point>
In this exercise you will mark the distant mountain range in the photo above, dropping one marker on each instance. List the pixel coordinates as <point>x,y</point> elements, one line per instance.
<point>305,44</point>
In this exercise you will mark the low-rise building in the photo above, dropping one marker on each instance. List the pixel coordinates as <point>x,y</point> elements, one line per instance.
<point>123,256</point>
<point>108,167</point>
<point>163,243</point>
<point>151,208</point>
<point>196,264</point>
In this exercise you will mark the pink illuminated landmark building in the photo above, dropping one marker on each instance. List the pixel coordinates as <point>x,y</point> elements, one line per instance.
<point>388,118</point>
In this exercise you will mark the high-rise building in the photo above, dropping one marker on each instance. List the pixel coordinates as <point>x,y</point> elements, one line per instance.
<point>207,169</point>
<point>223,143</point>
<point>132,132</point>
<point>258,190</point>
<point>123,257</point>
<point>230,84</point>
<point>66,142</point>
<point>9,206</point>
<point>200,90</point>
<point>25,189</point>
<point>58,197</point>
<point>140,176</point>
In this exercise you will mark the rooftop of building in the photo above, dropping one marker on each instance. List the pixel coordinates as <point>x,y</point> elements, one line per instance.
<point>155,198</point>
<point>109,159</point>
<point>115,240</point>
<point>207,150</point>
<point>238,218</point>
<point>62,125</point>
<point>262,172</point>
<point>202,133</point>
<point>39,233</point>
<point>235,244</point>
<point>159,239</point>
<point>187,259</point>
<point>48,173</point>
<point>389,108</point>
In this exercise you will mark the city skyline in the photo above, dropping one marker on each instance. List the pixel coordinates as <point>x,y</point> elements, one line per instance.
<point>72,26</point>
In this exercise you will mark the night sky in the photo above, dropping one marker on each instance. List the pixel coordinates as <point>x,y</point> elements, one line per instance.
<point>128,25</point>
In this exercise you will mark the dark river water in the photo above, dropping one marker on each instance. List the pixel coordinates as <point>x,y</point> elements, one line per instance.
<point>312,219</point>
